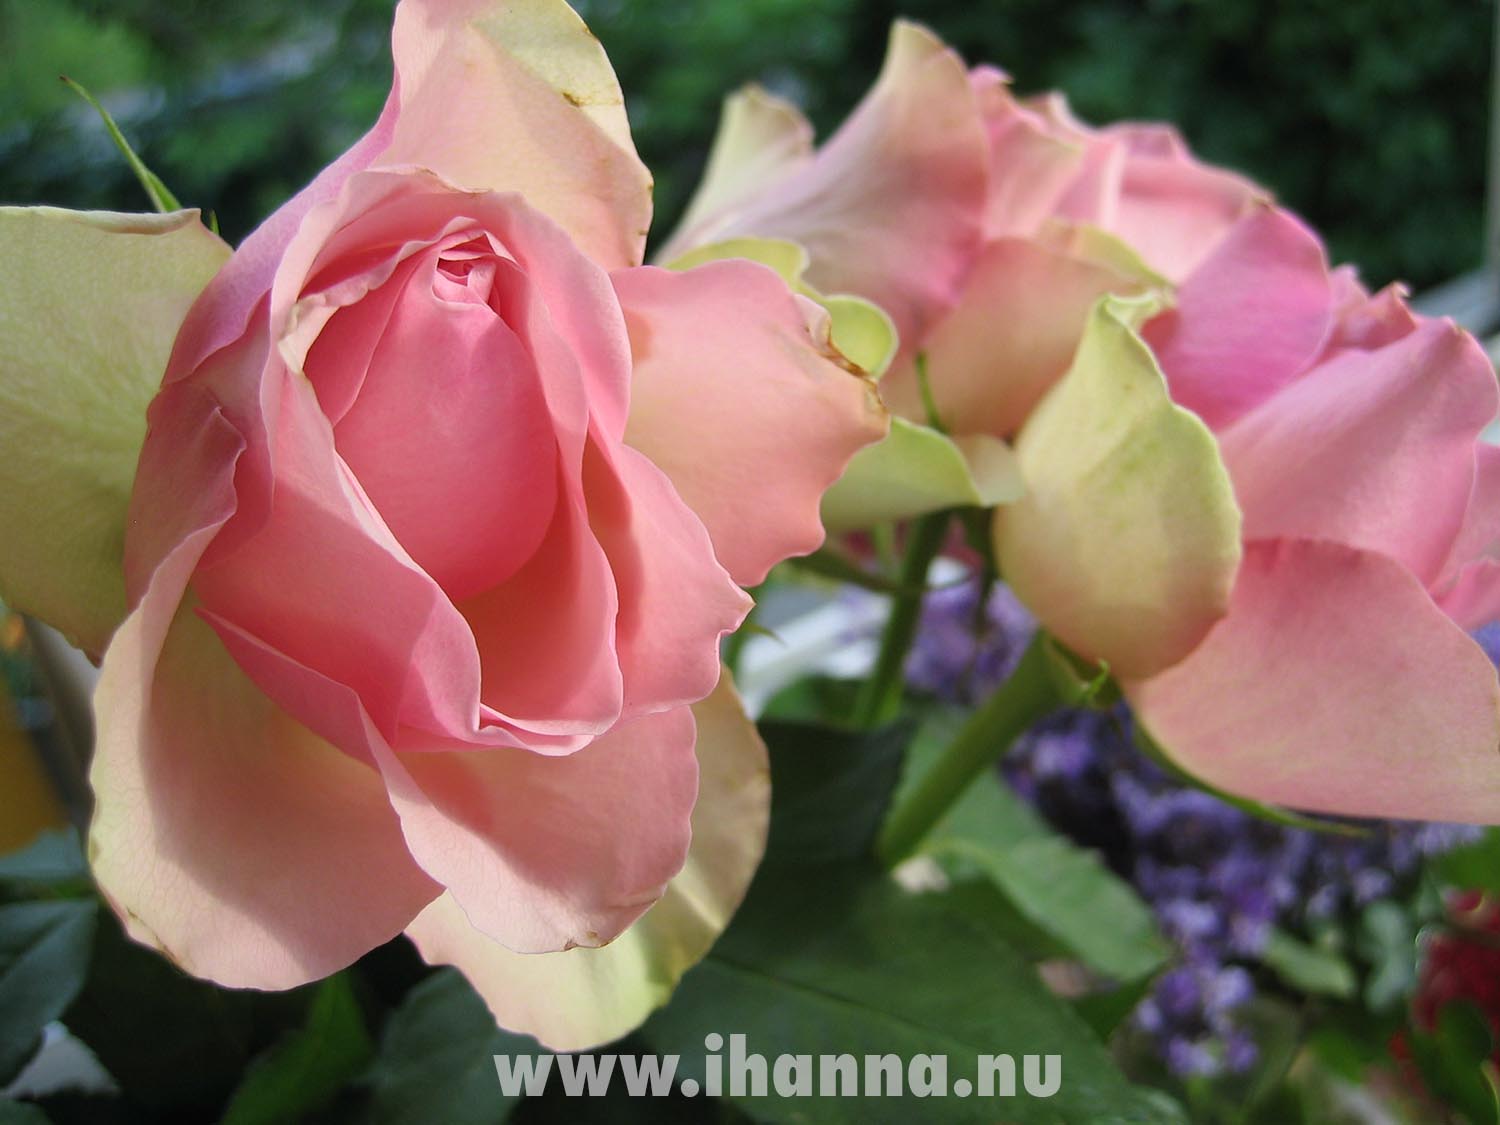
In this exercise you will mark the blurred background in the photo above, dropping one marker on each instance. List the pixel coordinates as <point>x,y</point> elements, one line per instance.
<point>1368,116</point>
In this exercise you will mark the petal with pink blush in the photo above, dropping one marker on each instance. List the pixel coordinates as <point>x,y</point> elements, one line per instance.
<point>761,139</point>
<point>1248,321</point>
<point>892,207</point>
<point>1011,336</point>
<point>546,853</point>
<point>1172,208</point>
<point>1371,449</point>
<point>1469,590</point>
<point>583,997</point>
<point>505,96</point>
<point>1127,539</point>
<point>307,582</point>
<point>676,601</point>
<point>546,636</point>
<point>1031,161</point>
<point>450,435</point>
<point>193,763</point>
<point>750,416</point>
<point>1334,685</point>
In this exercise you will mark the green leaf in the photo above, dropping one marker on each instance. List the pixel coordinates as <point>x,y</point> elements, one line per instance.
<point>1106,1011</point>
<point>829,956</point>
<point>830,788</point>
<point>1388,943</point>
<point>177,1046</point>
<point>1061,889</point>
<point>304,1071</point>
<point>53,857</point>
<point>44,958</point>
<point>1455,1062</point>
<point>1312,969</point>
<point>838,960</point>
<point>1127,541</point>
<point>436,1060</point>
<point>21,1113</point>
<point>161,198</point>
<point>1474,866</point>
<point>90,304</point>
<point>916,470</point>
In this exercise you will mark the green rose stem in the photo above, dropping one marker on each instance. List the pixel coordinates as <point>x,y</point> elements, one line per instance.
<point>880,696</point>
<point>1031,693</point>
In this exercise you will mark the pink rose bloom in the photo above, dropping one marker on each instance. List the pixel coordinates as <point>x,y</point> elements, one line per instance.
<point>444,506</point>
<point>1256,491</point>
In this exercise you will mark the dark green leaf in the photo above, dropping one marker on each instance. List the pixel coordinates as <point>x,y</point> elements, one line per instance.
<point>21,1113</point>
<point>1106,1011</point>
<point>436,1060</point>
<point>831,788</point>
<point>175,1045</point>
<point>839,960</point>
<point>1454,1061</point>
<point>309,1066</point>
<point>44,958</point>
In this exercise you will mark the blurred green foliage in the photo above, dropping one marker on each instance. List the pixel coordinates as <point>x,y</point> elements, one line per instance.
<point>1368,116</point>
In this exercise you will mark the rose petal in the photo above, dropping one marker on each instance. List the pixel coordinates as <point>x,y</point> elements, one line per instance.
<point>1031,161</point>
<point>1126,542</point>
<point>1011,337</point>
<point>227,835</point>
<point>761,139</point>
<point>892,207</point>
<point>1172,208</point>
<point>1248,320</point>
<point>676,601</point>
<point>546,853</point>
<point>306,582</point>
<point>916,470</point>
<point>1371,449</point>
<point>508,96</point>
<point>1335,685</point>
<point>584,997</point>
<point>89,305</point>
<point>749,415</point>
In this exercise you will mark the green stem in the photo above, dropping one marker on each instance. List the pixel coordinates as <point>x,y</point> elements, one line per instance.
<point>1030,694</point>
<point>880,697</point>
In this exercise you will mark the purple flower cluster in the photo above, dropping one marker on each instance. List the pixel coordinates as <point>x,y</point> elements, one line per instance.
<point>1218,878</point>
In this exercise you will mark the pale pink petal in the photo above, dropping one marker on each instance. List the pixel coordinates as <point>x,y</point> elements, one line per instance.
<point>326,583</point>
<point>1368,322</point>
<point>892,207</point>
<point>676,601</point>
<point>1334,685</point>
<point>546,636</point>
<point>501,96</point>
<point>761,139</point>
<point>450,436</point>
<point>1010,338</point>
<point>546,853</point>
<point>1469,590</point>
<point>1173,209</point>
<point>583,997</point>
<point>750,416</point>
<point>1031,160</point>
<point>226,834</point>
<point>1371,449</point>
<point>1248,321</point>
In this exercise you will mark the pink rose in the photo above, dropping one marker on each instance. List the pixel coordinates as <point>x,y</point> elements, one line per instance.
<point>1254,490</point>
<point>444,506</point>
